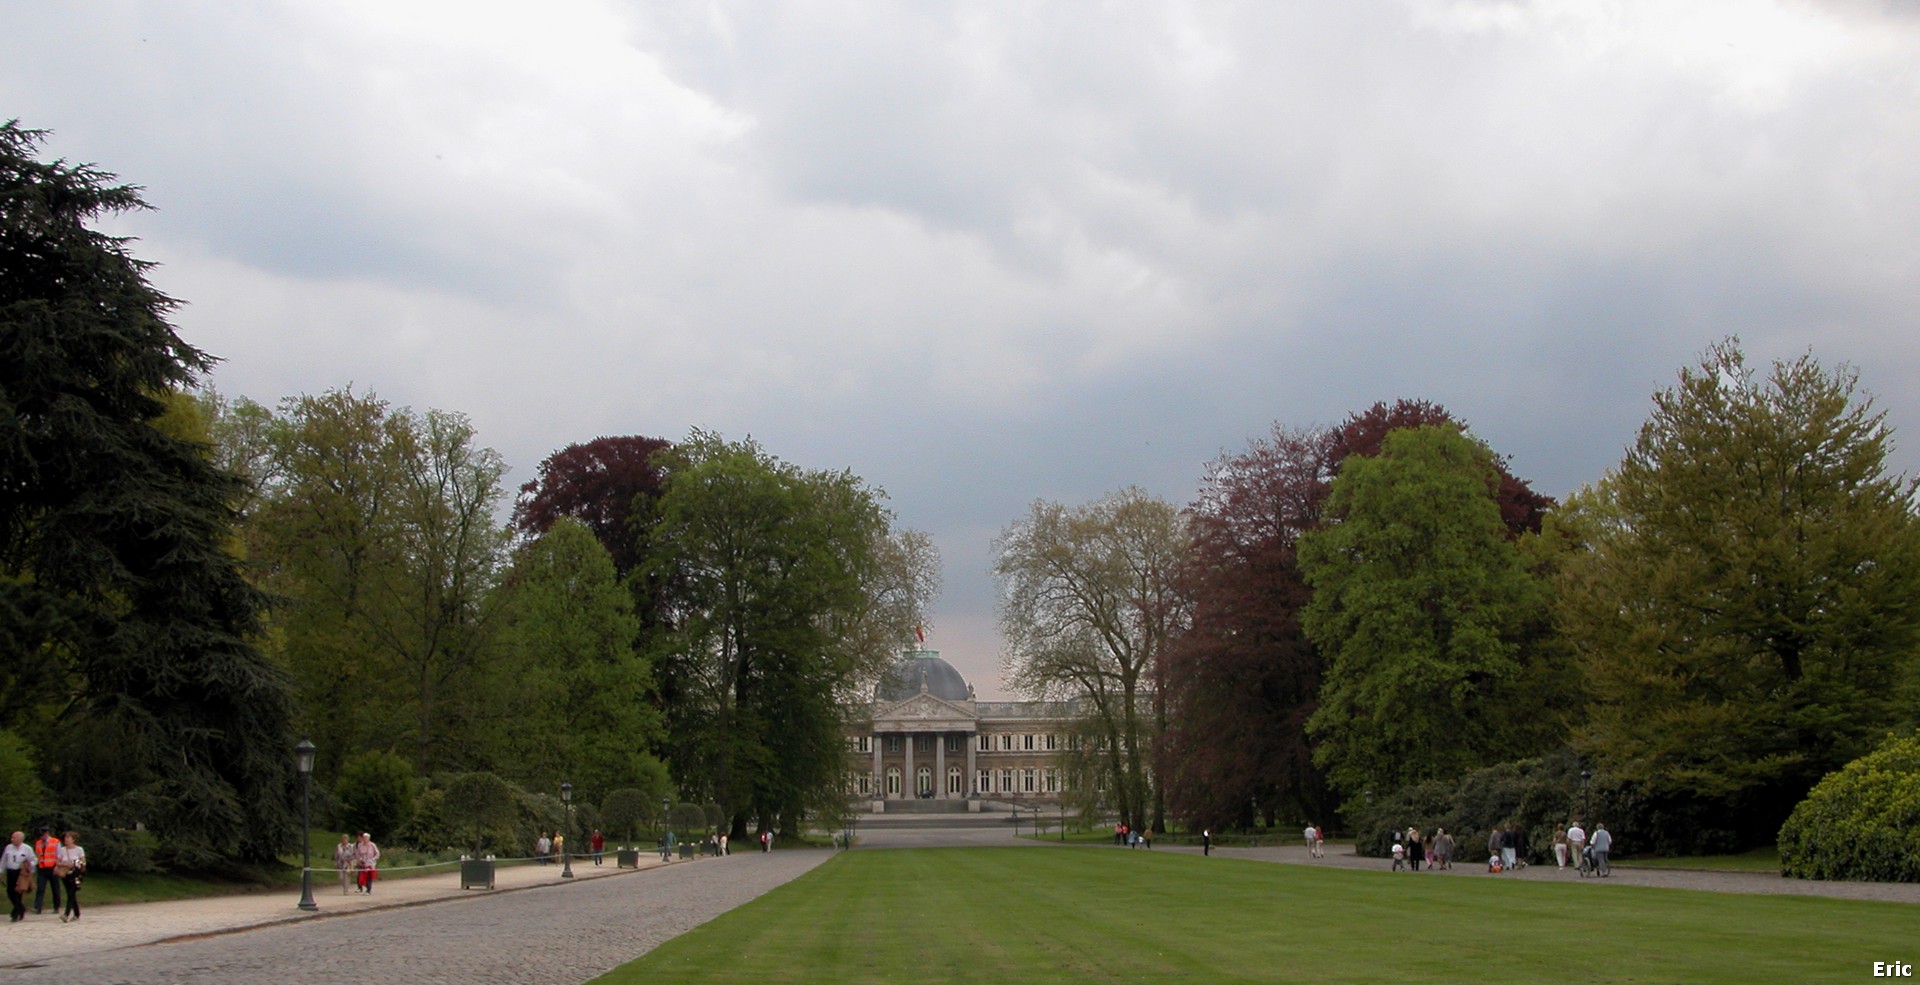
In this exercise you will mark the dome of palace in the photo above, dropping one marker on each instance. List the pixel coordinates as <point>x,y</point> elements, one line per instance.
<point>921,670</point>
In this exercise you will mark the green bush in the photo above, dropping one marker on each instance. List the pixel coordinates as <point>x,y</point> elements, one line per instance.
<point>626,811</point>
<point>376,793</point>
<point>1862,822</point>
<point>21,793</point>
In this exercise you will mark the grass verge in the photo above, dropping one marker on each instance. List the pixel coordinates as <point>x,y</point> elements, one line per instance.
<point>997,915</point>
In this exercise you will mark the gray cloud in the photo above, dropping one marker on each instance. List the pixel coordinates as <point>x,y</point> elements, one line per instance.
<point>986,254</point>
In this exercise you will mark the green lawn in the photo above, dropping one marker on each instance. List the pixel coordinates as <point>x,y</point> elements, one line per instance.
<point>1060,915</point>
<point>1759,860</point>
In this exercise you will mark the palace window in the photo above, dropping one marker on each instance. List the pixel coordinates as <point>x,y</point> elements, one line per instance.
<point>986,742</point>
<point>860,743</point>
<point>866,783</point>
<point>923,743</point>
<point>1027,781</point>
<point>1026,742</point>
<point>1050,781</point>
<point>923,781</point>
<point>955,743</point>
<point>953,781</point>
<point>893,743</point>
<point>893,781</point>
<point>1006,781</point>
<point>983,781</point>
<point>1052,741</point>
<point>1006,742</point>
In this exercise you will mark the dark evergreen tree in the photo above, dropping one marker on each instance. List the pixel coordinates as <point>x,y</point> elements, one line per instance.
<point>125,624</point>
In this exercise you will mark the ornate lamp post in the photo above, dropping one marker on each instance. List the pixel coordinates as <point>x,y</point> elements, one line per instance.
<point>566,854</point>
<point>303,761</point>
<point>666,805</point>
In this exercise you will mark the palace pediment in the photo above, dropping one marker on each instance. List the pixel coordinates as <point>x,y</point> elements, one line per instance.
<point>924,709</point>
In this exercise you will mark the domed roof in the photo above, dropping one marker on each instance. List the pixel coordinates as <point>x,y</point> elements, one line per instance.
<point>921,670</point>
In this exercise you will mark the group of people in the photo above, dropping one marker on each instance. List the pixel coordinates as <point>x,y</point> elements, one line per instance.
<point>1412,848</point>
<point>1587,853</point>
<point>1506,848</point>
<point>1132,837</point>
<point>356,861</point>
<point>48,864</point>
<point>1315,840</point>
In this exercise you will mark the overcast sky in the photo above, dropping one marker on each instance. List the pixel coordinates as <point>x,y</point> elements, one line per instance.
<point>984,253</point>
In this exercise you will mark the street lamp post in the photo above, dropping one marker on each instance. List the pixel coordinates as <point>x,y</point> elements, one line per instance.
<point>666,807</point>
<point>566,854</point>
<point>303,761</point>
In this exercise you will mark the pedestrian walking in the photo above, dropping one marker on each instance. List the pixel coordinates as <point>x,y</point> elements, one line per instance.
<point>46,851</point>
<point>1399,852</point>
<point>343,861</point>
<point>1416,848</point>
<point>1510,846</point>
<point>1560,847</point>
<point>1307,837</point>
<point>17,861</point>
<point>543,848</point>
<point>1602,847</point>
<point>1146,839</point>
<point>723,845</point>
<point>1442,849</point>
<point>766,841</point>
<point>1576,843</point>
<point>1517,840</point>
<point>69,865</point>
<point>598,844</point>
<point>1206,841</point>
<point>366,860</point>
<point>666,847</point>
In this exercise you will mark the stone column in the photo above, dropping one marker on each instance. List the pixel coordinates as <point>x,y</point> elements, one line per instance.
<point>973,745</point>
<point>879,778</point>
<point>907,787</point>
<point>940,766</point>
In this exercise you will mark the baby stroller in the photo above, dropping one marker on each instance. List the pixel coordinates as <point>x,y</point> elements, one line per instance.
<point>1587,862</point>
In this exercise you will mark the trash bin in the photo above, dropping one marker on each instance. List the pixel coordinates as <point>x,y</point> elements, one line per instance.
<point>627,858</point>
<point>686,850</point>
<point>476,873</point>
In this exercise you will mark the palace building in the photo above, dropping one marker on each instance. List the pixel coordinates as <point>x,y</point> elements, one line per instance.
<point>927,745</point>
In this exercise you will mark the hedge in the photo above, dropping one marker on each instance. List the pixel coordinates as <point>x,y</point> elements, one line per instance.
<point>1862,822</point>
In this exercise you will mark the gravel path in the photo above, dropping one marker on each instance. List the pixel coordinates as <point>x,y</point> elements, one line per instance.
<point>552,935</point>
<point>1760,883</point>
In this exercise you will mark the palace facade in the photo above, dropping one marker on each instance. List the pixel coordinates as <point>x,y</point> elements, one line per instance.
<point>925,743</point>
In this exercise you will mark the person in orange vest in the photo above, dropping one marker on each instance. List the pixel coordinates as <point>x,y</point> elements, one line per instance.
<point>46,850</point>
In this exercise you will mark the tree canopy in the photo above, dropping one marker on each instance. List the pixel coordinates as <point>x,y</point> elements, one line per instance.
<point>1089,605</point>
<point>1748,613</point>
<point>1418,599</point>
<point>128,627</point>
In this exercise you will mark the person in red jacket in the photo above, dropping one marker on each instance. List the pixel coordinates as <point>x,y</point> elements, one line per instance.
<point>598,844</point>
<point>46,850</point>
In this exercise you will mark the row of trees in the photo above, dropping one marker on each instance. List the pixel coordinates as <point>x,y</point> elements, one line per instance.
<point>1725,617</point>
<point>188,583</point>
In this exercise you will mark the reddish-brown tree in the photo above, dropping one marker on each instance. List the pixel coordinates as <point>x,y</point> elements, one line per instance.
<point>599,484</point>
<point>1242,682</point>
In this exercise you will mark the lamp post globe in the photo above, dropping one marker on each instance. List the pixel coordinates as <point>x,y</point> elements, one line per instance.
<point>566,854</point>
<point>303,762</point>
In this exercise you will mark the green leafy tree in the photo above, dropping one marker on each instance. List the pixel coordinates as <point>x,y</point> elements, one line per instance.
<point>772,569</point>
<point>377,525</point>
<point>565,671</point>
<point>1748,613</point>
<point>375,792</point>
<point>481,804</point>
<point>22,795</point>
<point>124,619</point>
<point>626,810</point>
<point>1089,605</point>
<point>1419,598</point>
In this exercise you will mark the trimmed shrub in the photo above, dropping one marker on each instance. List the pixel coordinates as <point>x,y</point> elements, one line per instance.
<point>626,811</point>
<point>1862,822</point>
<point>376,793</point>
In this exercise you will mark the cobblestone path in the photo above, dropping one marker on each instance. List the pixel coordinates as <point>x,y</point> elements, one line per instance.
<point>553,935</point>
